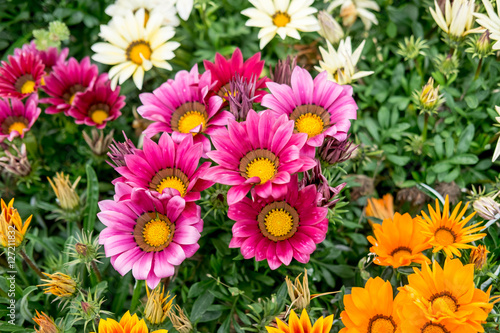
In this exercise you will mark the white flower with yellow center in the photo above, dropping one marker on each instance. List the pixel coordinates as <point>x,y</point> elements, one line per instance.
<point>491,21</point>
<point>184,8</point>
<point>166,8</point>
<point>457,19</point>
<point>282,17</point>
<point>134,48</point>
<point>350,10</point>
<point>340,64</point>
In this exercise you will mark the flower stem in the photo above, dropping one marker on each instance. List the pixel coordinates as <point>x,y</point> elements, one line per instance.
<point>31,264</point>
<point>478,70</point>
<point>96,271</point>
<point>426,125</point>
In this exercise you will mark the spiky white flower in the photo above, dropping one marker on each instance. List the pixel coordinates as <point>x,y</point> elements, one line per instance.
<point>458,18</point>
<point>350,10</point>
<point>166,8</point>
<point>491,21</point>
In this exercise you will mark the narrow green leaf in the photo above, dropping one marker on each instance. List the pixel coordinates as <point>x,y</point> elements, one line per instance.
<point>92,198</point>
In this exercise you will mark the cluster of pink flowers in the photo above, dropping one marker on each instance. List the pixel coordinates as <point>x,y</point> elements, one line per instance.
<point>153,223</point>
<point>73,87</point>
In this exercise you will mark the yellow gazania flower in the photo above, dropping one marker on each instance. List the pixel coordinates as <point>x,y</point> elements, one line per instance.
<point>128,324</point>
<point>380,208</point>
<point>399,242</point>
<point>157,307</point>
<point>370,309</point>
<point>302,324</point>
<point>47,324</point>
<point>65,191</point>
<point>12,229</point>
<point>445,297</point>
<point>59,284</point>
<point>448,233</point>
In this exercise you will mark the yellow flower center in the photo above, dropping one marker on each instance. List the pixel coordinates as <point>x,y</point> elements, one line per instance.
<point>190,120</point>
<point>42,81</point>
<point>310,123</point>
<point>261,167</point>
<point>445,236</point>
<point>381,324</point>
<point>172,182</point>
<point>18,127</point>
<point>71,99</point>
<point>99,116</point>
<point>28,87</point>
<point>444,301</point>
<point>156,232</point>
<point>137,51</point>
<point>278,222</point>
<point>281,19</point>
<point>400,253</point>
<point>433,328</point>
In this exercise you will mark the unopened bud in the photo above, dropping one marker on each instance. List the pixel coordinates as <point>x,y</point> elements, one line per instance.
<point>329,28</point>
<point>479,257</point>
<point>487,208</point>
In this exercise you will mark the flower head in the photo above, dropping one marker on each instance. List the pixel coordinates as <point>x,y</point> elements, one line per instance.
<point>449,232</point>
<point>329,28</point>
<point>269,228</point>
<point>398,242</point>
<point>127,324</point>
<point>380,208</point>
<point>457,20</point>
<point>10,220</point>
<point>133,48</point>
<point>428,99</point>
<point>224,71</point>
<point>350,10</point>
<point>66,81</point>
<point>17,118</point>
<point>334,151</point>
<point>282,72</point>
<point>45,323</point>
<point>491,21</point>
<point>370,309</point>
<point>302,324</point>
<point>97,105</point>
<point>21,75</point>
<point>340,64</point>
<point>192,113</point>
<point>157,308</point>
<point>317,107</point>
<point>164,7</point>
<point>285,18</point>
<point>327,195</point>
<point>59,285</point>
<point>241,96</point>
<point>118,151</point>
<point>149,236</point>
<point>299,292</point>
<point>248,156</point>
<point>49,57</point>
<point>18,163</point>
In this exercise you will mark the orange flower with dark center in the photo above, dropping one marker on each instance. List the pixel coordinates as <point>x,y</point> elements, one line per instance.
<point>302,324</point>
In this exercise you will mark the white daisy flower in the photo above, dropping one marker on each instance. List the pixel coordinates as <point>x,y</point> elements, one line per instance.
<point>340,64</point>
<point>282,17</point>
<point>134,48</point>
<point>491,21</point>
<point>165,7</point>
<point>458,18</point>
<point>184,8</point>
<point>496,154</point>
<point>351,9</point>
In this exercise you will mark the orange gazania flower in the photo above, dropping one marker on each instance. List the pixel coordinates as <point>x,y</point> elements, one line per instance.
<point>128,324</point>
<point>302,324</point>
<point>399,242</point>
<point>12,229</point>
<point>380,208</point>
<point>448,232</point>
<point>370,309</point>
<point>443,300</point>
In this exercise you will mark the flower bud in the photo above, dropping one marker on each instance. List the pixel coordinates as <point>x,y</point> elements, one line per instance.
<point>299,292</point>
<point>282,72</point>
<point>97,142</point>
<point>18,163</point>
<point>412,48</point>
<point>65,191</point>
<point>329,28</point>
<point>181,322</point>
<point>428,99</point>
<point>479,257</point>
<point>157,307</point>
<point>487,208</point>
<point>59,284</point>
<point>118,151</point>
<point>45,323</point>
<point>333,151</point>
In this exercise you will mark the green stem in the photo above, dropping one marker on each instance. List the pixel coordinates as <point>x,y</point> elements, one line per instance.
<point>96,271</point>
<point>478,70</point>
<point>136,295</point>
<point>30,263</point>
<point>426,125</point>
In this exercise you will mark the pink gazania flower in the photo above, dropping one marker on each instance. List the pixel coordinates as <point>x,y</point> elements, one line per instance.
<point>263,152</point>
<point>149,236</point>
<point>66,81</point>
<point>98,104</point>
<point>164,169</point>
<point>224,71</point>
<point>17,118</point>
<point>21,75</point>
<point>279,227</point>
<point>49,57</point>
<point>318,107</point>
<point>181,107</point>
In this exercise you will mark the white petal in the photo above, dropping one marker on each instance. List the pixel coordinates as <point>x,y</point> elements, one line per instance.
<point>126,73</point>
<point>266,39</point>
<point>184,7</point>
<point>139,77</point>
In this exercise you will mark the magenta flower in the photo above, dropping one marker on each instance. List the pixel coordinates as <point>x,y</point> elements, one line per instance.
<point>50,57</point>
<point>181,107</point>
<point>17,118</point>
<point>224,71</point>
<point>21,75</point>
<point>165,169</point>
<point>319,108</point>
<point>66,81</point>
<point>98,104</point>
<point>262,151</point>
<point>279,228</point>
<point>149,236</point>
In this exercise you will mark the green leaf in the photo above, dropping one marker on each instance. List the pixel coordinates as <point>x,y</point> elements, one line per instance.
<point>92,198</point>
<point>438,146</point>
<point>200,306</point>
<point>449,146</point>
<point>392,29</point>
<point>464,159</point>
<point>344,271</point>
<point>465,139</point>
<point>383,117</point>
<point>398,160</point>
<point>472,101</point>
<point>441,167</point>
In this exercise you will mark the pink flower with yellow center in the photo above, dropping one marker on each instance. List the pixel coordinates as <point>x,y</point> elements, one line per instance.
<point>66,81</point>
<point>164,169</point>
<point>149,236</point>
<point>21,75</point>
<point>224,71</point>
<point>279,227</point>
<point>98,104</point>
<point>181,107</point>
<point>49,57</point>
<point>263,152</point>
<point>318,107</point>
<point>17,118</point>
